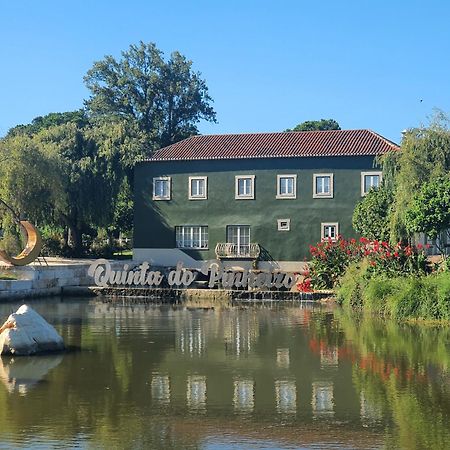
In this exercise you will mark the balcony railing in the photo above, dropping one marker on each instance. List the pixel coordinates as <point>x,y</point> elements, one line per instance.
<point>229,250</point>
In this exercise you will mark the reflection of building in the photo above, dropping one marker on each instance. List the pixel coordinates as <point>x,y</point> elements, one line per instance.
<point>196,393</point>
<point>322,399</point>
<point>329,357</point>
<point>286,396</point>
<point>244,396</point>
<point>241,332</point>
<point>369,412</point>
<point>283,358</point>
<point>161,389</point>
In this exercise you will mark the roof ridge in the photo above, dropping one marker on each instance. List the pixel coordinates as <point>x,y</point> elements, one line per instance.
<point>388,141</point>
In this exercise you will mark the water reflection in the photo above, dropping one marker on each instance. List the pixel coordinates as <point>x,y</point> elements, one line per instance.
<point>286,396</point>
<point>283,358</point>
<point>163,376</point>
<point>161,389</point>
<point>244,396</point>
<point>22,373</point>
<point>322,399</point>
<point>196,393</point>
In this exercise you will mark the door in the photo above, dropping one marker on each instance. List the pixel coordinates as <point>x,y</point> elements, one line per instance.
<point>239,236</point>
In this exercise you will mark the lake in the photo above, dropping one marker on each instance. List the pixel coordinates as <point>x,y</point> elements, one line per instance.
<point>226,377</point>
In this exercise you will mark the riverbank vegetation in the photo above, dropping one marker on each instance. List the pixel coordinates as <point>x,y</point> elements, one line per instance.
<point>388,271</point>
<point>72,172</point>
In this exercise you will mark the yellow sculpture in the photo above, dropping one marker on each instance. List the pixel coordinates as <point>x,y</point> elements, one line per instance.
<point>31,250</point>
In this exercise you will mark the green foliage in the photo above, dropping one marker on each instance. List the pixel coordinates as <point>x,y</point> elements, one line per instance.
<point>123,212</point>
<point>316,125</point>
<point>165,99</point>
<point>424,157</point>
<point>423,297</point>
<point>430,209</point>
<point>42,122</point>
<point>370,217</point>
<point>351,284</point>
<point>329,259</point>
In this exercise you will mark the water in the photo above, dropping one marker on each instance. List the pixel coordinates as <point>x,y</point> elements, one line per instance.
<point>186,377</point>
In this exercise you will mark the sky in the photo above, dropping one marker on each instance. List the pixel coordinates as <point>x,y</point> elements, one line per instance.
<point>269,65</point>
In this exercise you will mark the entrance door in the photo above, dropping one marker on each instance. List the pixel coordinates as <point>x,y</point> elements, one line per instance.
<point>239,235</point>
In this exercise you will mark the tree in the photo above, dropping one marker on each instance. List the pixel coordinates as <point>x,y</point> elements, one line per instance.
<point>429,211</point>
<point>423,157</point>
<point>66,174</point>
<point>164,99</point>
<point>371,215</point>
<point>316,125</point>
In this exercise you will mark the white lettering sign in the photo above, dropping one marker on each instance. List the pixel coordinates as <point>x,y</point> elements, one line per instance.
<point>141,275</point>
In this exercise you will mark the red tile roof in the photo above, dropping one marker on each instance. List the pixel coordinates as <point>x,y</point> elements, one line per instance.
<point>277,145</point>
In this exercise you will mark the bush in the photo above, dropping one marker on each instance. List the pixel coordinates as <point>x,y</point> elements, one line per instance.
<point>330,259</point>
<point>424,297</point>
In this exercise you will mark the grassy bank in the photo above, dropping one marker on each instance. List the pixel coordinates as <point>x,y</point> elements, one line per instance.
<point>402,297</point>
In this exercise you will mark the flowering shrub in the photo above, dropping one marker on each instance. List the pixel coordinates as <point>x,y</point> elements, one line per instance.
<point>395,260</point>
<point>329,259</point>
<point>305,284</point>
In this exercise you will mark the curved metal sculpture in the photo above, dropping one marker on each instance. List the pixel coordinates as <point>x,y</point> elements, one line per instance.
<point>33,247</point>
<point>31,250</point>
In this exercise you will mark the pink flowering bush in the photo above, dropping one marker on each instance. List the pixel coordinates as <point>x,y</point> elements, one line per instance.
<point>329,259</point>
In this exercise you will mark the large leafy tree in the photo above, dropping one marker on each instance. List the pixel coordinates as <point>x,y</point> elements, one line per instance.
<point>165,99</point>
<point>316,125</point>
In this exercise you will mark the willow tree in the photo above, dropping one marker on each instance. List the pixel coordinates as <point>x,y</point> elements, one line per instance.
<point>424,157</point>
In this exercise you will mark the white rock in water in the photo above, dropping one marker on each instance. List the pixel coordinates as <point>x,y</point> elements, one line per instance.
<point>27,333</point>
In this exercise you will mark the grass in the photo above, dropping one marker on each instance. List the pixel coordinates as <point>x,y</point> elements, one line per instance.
<point>124,254</point>
<point>418,298</point>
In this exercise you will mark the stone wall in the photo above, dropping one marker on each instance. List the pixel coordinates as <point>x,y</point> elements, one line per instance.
<point>40,281</point>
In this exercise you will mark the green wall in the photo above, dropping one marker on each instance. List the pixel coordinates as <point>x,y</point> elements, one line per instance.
<point>155,221</point>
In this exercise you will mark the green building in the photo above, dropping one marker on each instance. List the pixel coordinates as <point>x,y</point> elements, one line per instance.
<point>246,197</point>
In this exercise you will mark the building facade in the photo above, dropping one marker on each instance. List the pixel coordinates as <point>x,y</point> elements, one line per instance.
<point>250,198</point>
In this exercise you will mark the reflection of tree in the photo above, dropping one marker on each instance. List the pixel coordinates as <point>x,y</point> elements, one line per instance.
<point>402,371</point>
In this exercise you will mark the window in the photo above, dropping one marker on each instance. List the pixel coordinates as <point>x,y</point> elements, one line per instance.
<point>286,186</point>
<point>370,180</point>
<point>323,185</point>
<point>245,187</point>
<point>192,236</point>
<point>330,231</point>
<point>198,188</point>
<point>161,188</point>
<point>239,235</point>
<point>284,224</point>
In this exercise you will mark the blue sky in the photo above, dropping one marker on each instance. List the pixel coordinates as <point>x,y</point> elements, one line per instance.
<point>269,65</point>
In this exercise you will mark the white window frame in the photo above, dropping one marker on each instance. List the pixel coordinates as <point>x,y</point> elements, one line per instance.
<point>286,196</point>
<point>188,231</point>
<point>327,194</point>
<point>250,196</point>
<point>363,184</point>
<point>159,197</point>
<point>280,225</point>
<point>198,197</point>
<point>329,224</point>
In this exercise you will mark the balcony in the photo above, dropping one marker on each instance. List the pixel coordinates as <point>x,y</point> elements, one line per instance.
<point>229,250</point>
